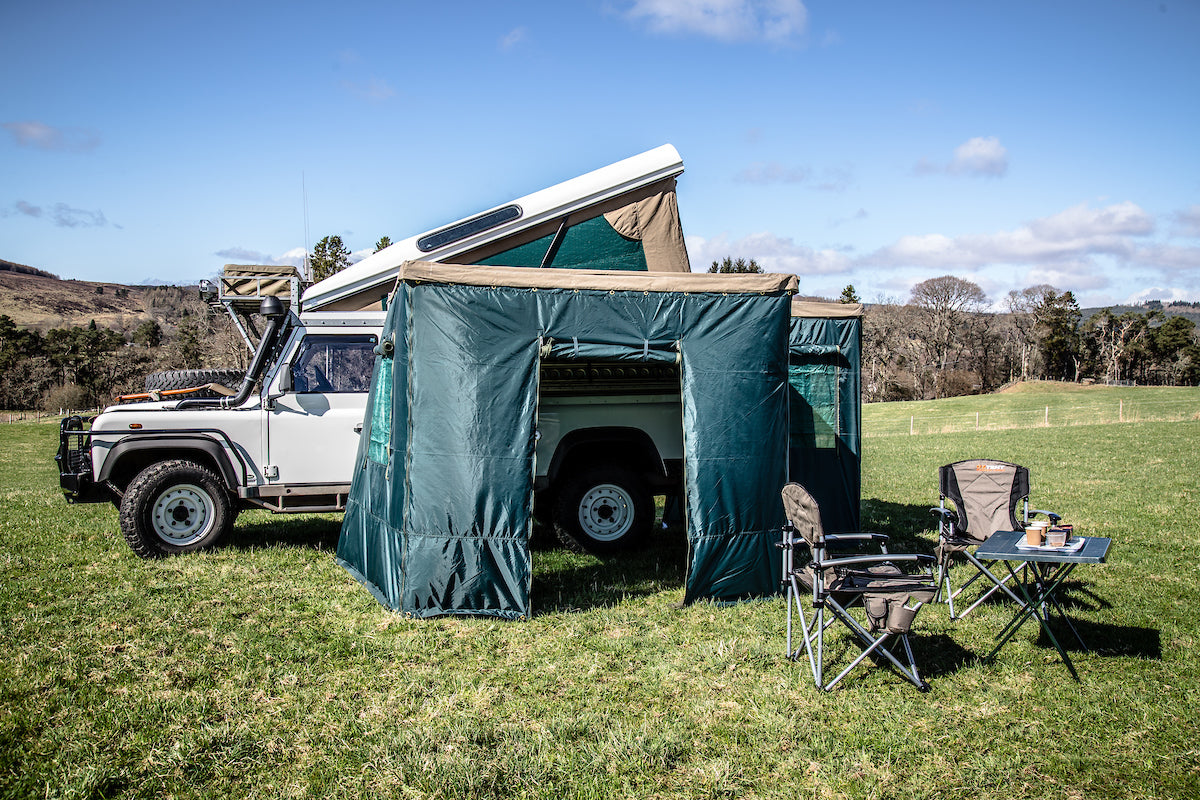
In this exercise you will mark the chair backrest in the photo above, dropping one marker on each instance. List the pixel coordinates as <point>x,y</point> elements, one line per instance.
<point>986,494</point>
<point>802,511</point>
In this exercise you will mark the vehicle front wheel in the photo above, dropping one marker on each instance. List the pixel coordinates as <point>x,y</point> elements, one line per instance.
<point>603,510</point>
<point>175,507</point>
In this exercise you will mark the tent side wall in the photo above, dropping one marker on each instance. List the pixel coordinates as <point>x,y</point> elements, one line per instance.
<point>735,407</point>
<point>444,528</point>
<point>825,409</point>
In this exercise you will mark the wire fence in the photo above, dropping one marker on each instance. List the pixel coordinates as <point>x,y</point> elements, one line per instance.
<point>11,417</point>
<point>1111,413</point>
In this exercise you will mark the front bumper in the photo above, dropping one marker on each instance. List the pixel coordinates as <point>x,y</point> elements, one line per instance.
<point>74,459</point>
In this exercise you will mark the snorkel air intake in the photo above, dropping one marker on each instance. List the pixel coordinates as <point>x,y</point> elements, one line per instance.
<point>273,310</point>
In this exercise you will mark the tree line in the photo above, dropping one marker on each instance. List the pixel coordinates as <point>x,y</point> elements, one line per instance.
<point>85,366</point>
<point>81,367</point>
<point>946,341</point>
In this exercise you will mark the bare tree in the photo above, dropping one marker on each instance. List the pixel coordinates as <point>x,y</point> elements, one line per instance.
<point>946,308</point>
<point>1025,307</point>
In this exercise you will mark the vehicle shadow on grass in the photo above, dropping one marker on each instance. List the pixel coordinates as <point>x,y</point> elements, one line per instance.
<point>289,531</point>
<point>565,582</point>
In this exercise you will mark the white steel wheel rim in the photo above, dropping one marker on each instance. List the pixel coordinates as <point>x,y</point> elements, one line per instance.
<point>183,514</point>
<point>606,512</point>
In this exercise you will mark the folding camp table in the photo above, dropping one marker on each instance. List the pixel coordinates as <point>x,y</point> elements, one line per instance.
<point>1047,569</point>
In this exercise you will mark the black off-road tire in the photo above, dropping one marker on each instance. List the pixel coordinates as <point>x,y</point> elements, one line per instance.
<point>603,510</point>
<point>175,507</point>
<point>189,378</point>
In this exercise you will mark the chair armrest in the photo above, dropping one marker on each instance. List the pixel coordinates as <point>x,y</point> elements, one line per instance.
<point>1054,518</point>
<point>945,513</point>
<point>854,561</point>
<point>856,537</point>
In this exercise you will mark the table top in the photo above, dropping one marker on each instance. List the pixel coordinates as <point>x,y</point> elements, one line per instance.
<point>1002,546</point>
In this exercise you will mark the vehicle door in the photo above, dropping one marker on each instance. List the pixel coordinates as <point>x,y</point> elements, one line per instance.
<point>313,427</point>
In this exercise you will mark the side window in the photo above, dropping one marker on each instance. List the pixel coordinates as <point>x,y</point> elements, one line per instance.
<point>334,364</point>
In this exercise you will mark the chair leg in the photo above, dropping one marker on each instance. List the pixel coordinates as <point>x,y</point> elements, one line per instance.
<point>873,644</point>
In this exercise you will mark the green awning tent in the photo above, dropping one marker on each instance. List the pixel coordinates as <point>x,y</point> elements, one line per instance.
<point>439,514</point>
<point>825,408</point>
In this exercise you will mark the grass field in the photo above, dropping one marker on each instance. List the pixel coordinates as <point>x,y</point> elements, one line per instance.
<point>263,670</point>
<point>1034,404</point>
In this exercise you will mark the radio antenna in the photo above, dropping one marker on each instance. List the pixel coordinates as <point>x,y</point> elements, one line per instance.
<point>304,191</point>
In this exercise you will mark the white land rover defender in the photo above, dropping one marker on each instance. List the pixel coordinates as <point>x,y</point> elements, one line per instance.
<point>180,465</point>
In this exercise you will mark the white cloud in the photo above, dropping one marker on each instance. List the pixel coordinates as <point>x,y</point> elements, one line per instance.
<point>63,215</point>
<point>375,90</point>
<point>1076,277</point>
<point>292,258</point>
<point>513,38</point>
<point>1165,295</point>
<point>982,155</point>
<point>830,179</point>
<point>1187,221</point>
<point>1074,235</point>
<point>773,172</point>
<point>775,21</point>
<point>41,136</point>
<point>1082,222</point>
<point>773,253</point>
<point>1174,262</point>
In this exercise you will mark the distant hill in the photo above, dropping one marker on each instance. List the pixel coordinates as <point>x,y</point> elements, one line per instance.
<point>9,266</point>
<point>34,298</point>
<point>1189,310</point>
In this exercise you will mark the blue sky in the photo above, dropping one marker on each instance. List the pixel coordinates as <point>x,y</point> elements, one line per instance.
<point>868,143</point>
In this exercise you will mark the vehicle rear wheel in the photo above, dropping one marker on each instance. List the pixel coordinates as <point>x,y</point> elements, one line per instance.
<point>175,507</point>
<point>603,510</point>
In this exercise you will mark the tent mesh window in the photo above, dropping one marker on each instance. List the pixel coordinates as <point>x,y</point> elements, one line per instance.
<point>381,413</point>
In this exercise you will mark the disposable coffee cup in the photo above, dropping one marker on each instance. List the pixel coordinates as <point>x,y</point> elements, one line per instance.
<point>1035,533</point>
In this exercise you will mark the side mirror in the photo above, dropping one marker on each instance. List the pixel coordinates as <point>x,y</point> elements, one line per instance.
<point>285,378</point>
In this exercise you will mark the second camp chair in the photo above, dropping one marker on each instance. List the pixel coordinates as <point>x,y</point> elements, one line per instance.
<point>872,586</point>
<point>984,496</point>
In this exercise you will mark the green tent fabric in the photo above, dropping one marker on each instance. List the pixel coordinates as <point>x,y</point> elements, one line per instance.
<point>439,514</point>
<point>825,408</point>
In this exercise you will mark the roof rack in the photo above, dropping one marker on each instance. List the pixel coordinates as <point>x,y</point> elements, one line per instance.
<point>242,287</point>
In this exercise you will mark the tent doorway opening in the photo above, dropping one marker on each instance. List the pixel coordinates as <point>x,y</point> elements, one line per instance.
<point>609,452</point>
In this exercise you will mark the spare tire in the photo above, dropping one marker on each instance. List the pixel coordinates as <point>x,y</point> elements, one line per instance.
<point>190,378</point>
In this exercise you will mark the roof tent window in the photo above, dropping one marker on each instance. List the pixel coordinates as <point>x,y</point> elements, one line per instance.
<point>592,244</point>
<point>468,228</point>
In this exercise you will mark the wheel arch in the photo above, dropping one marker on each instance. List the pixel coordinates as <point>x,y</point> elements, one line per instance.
<point>630,447</point>
<point>131,455</point>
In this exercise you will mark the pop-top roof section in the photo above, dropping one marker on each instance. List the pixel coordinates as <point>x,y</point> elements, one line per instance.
<point>442,244</point>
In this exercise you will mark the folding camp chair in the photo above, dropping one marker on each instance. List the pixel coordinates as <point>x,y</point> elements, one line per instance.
<point>871,584</point>
<point>987,496</point>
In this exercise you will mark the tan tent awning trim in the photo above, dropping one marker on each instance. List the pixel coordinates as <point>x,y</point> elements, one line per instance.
<point>602,280</point>
<point>810,308</point>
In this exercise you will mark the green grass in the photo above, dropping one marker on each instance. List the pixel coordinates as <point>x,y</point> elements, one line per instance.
<point>263,670</point>
<point>1034,404</point>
